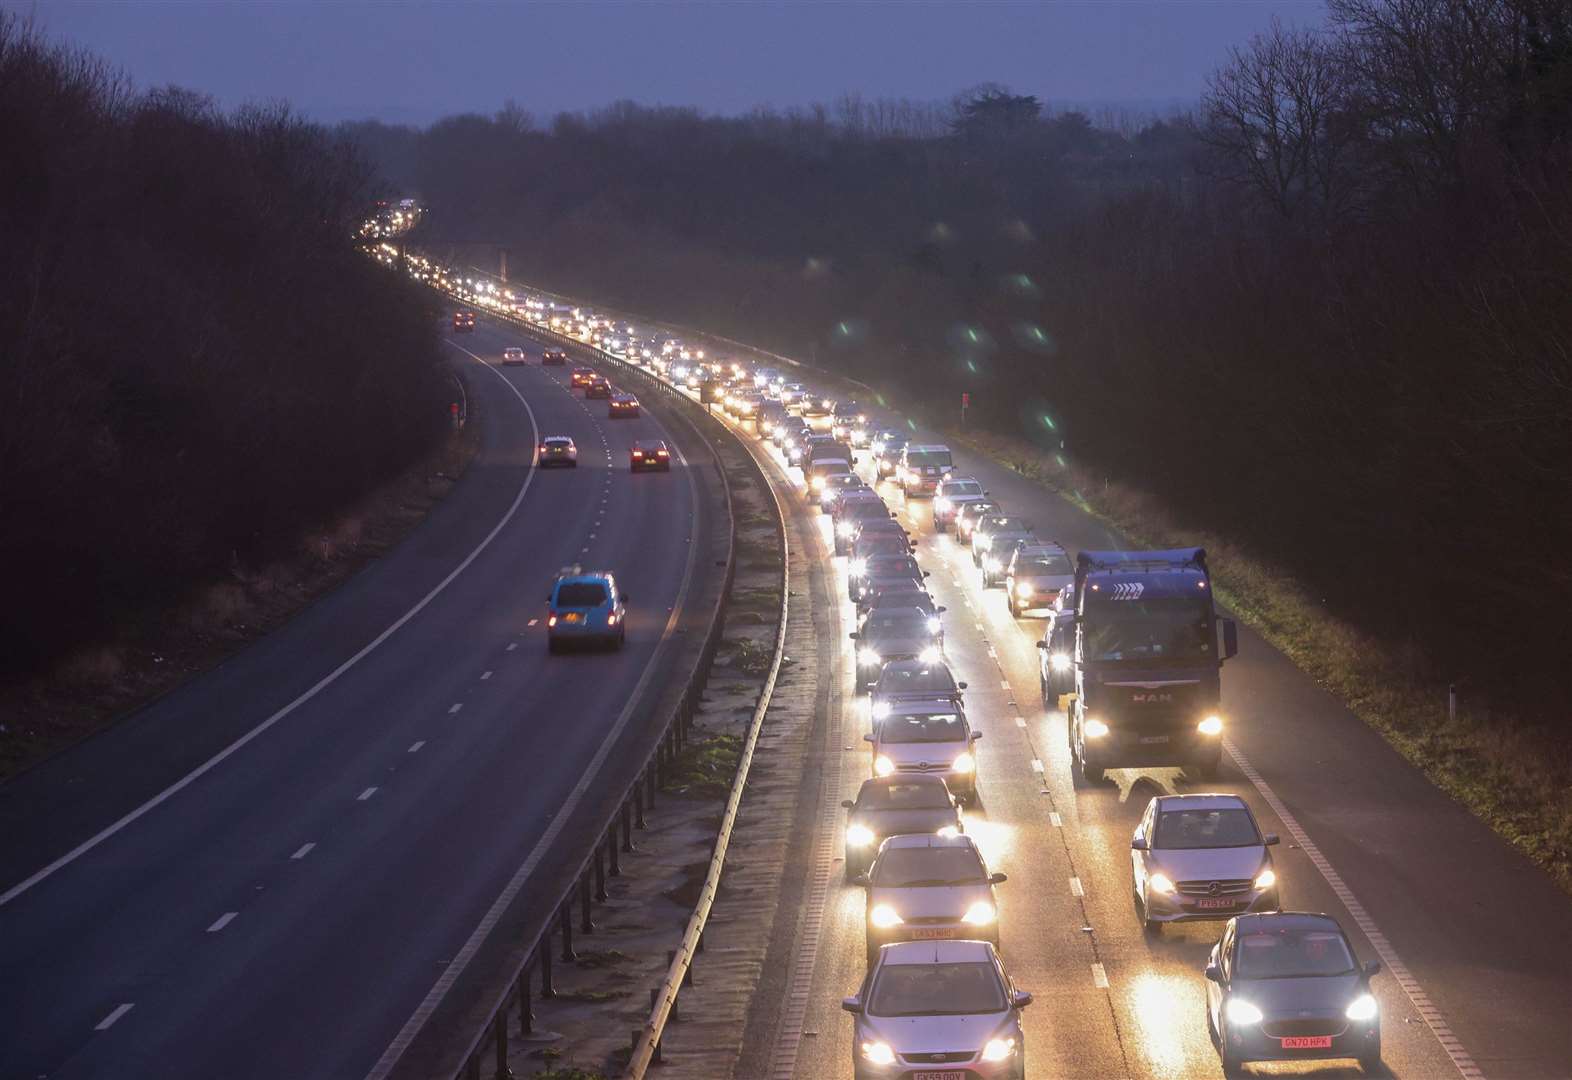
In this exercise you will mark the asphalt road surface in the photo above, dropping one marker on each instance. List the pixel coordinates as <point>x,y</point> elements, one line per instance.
<point>284,912</point>
<point>1483,978</point>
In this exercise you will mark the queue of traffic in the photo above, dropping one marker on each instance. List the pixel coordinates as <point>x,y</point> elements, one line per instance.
<point>1132,642</point>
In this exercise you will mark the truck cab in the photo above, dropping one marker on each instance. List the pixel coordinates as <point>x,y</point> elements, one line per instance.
<point>1144,662</point>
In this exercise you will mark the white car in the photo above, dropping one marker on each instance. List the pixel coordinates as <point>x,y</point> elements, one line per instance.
<point>935,1008</point>
<point>512,356</point>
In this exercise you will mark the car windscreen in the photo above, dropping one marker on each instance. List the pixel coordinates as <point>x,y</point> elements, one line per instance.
<point>915,867</point>
<point>1160,628</point>
<point>865,510</point>
<point>1006,525</point>
<point>935,728</point>
<point>893,564</point>
<point>929,459</point>
<point>1292,953</point>
<point>958,488</point>
<point>936,990</point>
<point>1182,829</point>
<point>903,625</point>
<point>925,680</point>
<point>1045,565</point>
<point>900,598</point>
<point>977,511</point>
<point>904,796</point>
<point>580,594</point>
<point>559,443</point>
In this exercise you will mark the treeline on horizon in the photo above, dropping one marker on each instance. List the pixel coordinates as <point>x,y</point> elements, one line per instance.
<point>1328,313</point>
<point>196,366</point>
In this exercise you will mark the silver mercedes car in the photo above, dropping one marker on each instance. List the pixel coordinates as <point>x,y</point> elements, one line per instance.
<point>1197,857</point>
<point>942,1009</point>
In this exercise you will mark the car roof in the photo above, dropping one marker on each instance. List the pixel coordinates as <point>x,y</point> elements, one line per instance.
<point>937,952</point>
<point>925,779</point>
<point>941,706</point>
<point>1200,801</point>
<point>1267,921</point>
<point>623,394</point>
<point>1034,548</point>
<point>584,577</point>
<point>928,840</point>
<point>644,444</point>
<point>917,448</point>
<point>557,438</point>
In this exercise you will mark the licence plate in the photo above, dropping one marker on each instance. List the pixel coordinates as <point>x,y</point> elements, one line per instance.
<point>1214,904</point>
<point>1307,1042</point>
<point>573,616</point>
<point>932,934</point>
<point>947,1074</point>
<point>1154,738</point>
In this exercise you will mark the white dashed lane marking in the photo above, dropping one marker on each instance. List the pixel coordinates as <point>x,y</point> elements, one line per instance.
<point>305,849</point>
<point>484,675</point>
<point>1099,977</point>
<point>455,707</point>
<point>1075,887</point>
<point>222,921</point>
<point>1055,820</point>
<point>364,795</point>
<point>415,747</point>
<point>109,1021</point>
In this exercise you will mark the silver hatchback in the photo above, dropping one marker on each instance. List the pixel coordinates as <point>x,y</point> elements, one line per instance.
<point>940,1009</point>
<point>1200,857</point>
<point>930,888</point>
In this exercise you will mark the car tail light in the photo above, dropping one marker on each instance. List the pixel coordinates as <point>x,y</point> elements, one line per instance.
<point>551,621</point>
<point>638,453</point>
<point>663,453</point>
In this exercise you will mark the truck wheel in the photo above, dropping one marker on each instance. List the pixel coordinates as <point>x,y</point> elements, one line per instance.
<point>1092,774</point>
<point>1209,768</point>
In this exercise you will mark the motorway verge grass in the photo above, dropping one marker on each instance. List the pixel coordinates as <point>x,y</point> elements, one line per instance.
<point>1514,775</point>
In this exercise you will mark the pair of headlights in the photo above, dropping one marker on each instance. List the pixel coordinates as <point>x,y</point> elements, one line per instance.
<point>878,1053</point>
<point>1160,882</point>
<point>1240,1011</point>
<point>965,765</point>
<point>981,913</point>
<point>1096,729</point>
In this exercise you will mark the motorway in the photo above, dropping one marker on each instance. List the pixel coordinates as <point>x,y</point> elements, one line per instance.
<point>1476,940</point>
<point>265,873</point>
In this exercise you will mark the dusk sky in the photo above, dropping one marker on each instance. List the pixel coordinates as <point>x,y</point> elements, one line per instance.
<point>415,62</point>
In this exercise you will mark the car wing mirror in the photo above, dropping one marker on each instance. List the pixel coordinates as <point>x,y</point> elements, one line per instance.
<point>1270,839</point>
<point>998,878</point>
<point>1139,844</point>
<point>869,738</point>
<point>1372,967</point>
<point>852,1004</point>
<point>1042,645</point>
<point>847,803</point>
<point>960,686</point>
<point>976,735</point>
<point>853,635</point>
<point>926,574</point>
<point>861,879</point>
<point>1214,974</point>
<point>892,513</point>
<point>1021,998</point>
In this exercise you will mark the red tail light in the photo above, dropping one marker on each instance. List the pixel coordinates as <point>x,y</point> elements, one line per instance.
<point>638,453</point>
<point>664,454</point>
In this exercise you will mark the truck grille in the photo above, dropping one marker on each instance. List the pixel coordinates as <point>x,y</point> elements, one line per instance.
<point>1226,887</point>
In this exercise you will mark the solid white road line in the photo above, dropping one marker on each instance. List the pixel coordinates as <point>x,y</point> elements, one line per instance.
<point>364,795</point>
<point>305,849</point>
<point>109,1021</point>
<point>1389,959</point>
<point>327,680</point>
<point>222,921</point>
<point>461,960</point>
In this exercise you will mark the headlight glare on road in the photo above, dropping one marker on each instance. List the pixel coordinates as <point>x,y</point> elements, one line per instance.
<point>999,1049</point>
<point>878,1053</point>
<point>1212,725</point>
<point>883,765</point>
<point>981,913</point>
<point>858,836</point>
<point>884,916</point>
<point>880,711</point>
<point>930,655</point>
<point>1094,729</point>
<point>990,563</point>
<point>1060,661</point>
<point>1160,883</point>
<point>941,505</point>
<point>1240,1011</point>
<point>1363,1007</point>
<point>868,657</point>
<point>965,763</point>
<point>1266,878</point>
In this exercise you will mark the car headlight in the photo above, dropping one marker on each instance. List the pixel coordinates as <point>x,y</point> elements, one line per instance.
<point>1160,883</point>
<point>1023,590</point>
<point>859,567</point>
<point>868,657</point>
<point>818,483</point>
<point>878,1053</point>
<point>941,505</point>
<point>880,711</point>
<point>965,763</point>
<point>858,836</point>
<point>883,765</point>
<point>982,542</point>
<point>1266,878</point>
<point>981,913</point>
<point>884,916</point>
<point>1094,729</point>
<point>1363,1007</point>
<point>930,655</point>
<point>1060,661</point>
<point>990,563</point>
<point>999,1049</point>
<point>947,831</point>
<point>1212,725</point>
<point>934,625</point>
<point>1242,1012</point>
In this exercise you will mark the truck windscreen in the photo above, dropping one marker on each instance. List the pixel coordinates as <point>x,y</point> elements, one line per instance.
<point>1169,629</point>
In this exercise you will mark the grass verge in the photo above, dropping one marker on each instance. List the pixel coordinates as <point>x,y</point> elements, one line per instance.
<point>156,652</point>
<point>1513,775</point>
<point>705,765</point>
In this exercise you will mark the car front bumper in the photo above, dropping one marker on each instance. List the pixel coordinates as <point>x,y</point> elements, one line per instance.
<point>1177,907</point>
<point>1126,749</point>
<point>1254,1043</point>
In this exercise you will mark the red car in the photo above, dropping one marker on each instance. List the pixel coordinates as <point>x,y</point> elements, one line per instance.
<point>463,322</point>
<point>650,454</point>
<point>581,376</point>
<point>622,405</point>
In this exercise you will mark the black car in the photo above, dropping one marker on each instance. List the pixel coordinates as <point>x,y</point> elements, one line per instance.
<point>894,634</point>
<point>554,358</point>
<point>1286,986</point>
<point>891,806</point>
<point>597,387</point>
